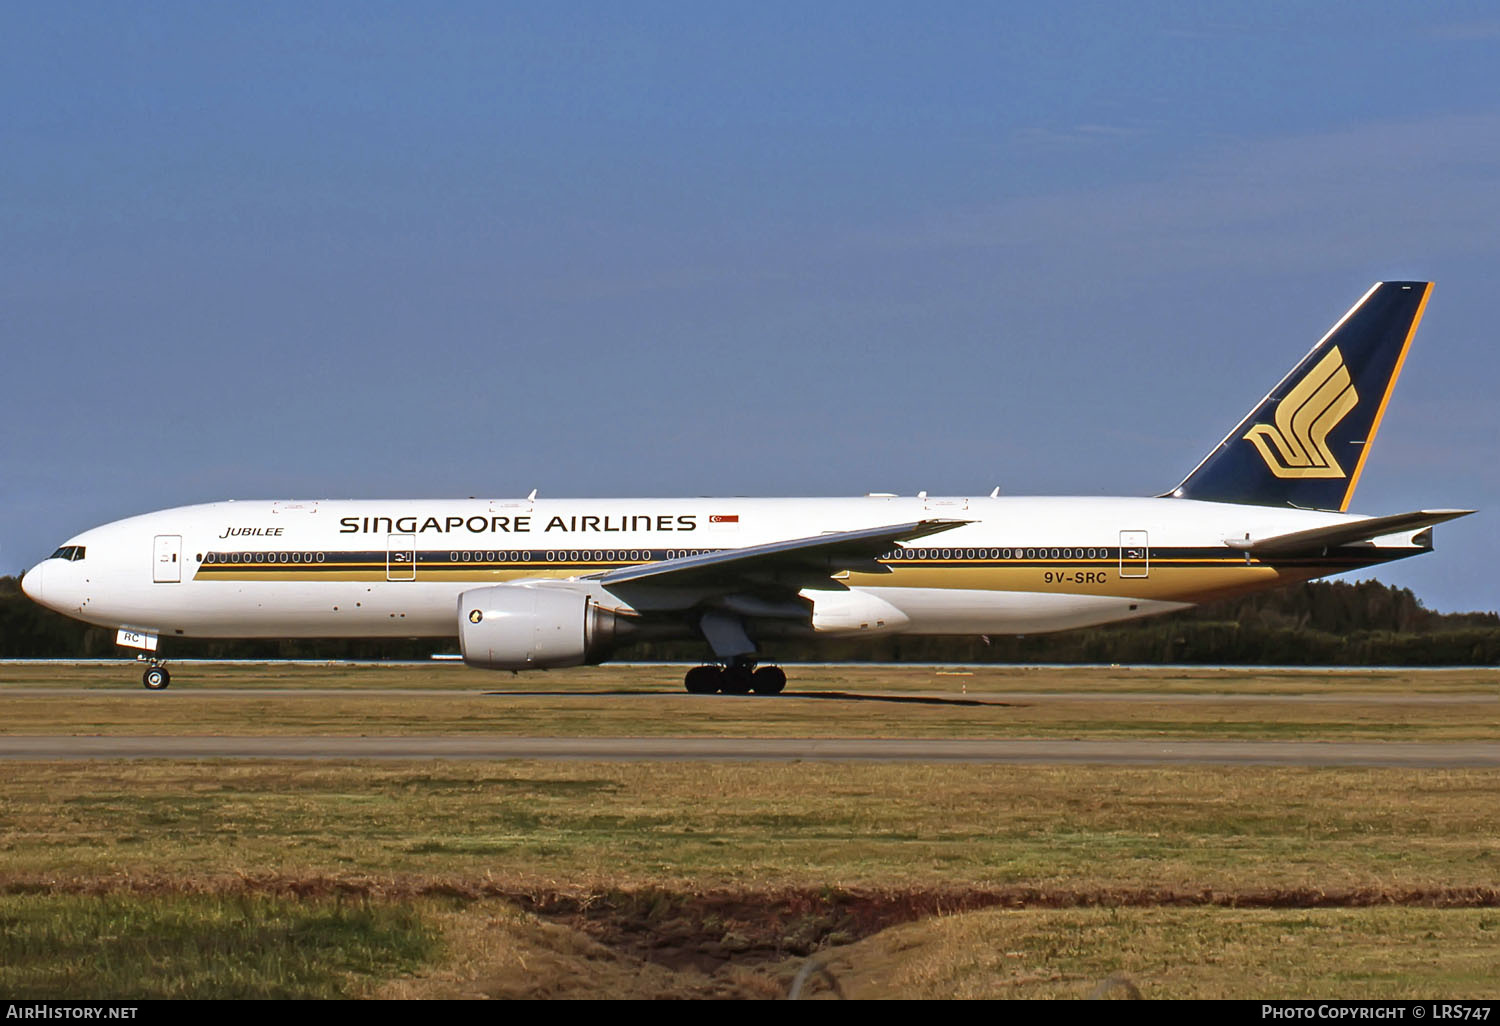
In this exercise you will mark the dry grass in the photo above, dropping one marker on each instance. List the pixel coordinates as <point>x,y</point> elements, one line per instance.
<point>514,863</point>
<point>1384,953</point>
<point>757,825</point>
<point>828,702</point>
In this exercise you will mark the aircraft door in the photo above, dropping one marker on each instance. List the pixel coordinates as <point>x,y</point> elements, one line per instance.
<point>401,557</point>
<point>166,559</point>
<point>1135,554</point>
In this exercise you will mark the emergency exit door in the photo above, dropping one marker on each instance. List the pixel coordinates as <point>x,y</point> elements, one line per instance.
<point>166,559</point>
<point>1135,554</point>
<point>401,557</point>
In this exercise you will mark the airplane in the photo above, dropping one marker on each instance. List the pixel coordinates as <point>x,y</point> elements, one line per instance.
<point>533,583</point>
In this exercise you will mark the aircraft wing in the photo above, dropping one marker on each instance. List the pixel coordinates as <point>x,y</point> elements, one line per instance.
<point>819,557</point>
<point>1319,538</point>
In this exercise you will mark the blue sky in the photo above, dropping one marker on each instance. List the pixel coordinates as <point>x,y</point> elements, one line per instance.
<point>364,250</point>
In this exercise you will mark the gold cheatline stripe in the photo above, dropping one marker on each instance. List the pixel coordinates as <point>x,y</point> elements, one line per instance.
<point>952,562</point>
<point>1364,450</point>
<point>1236,565</point>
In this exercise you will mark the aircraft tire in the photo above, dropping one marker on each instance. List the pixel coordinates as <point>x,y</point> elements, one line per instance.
<point>768,680</point>
<point>156,678</point>
<point>738,680</point>
<point>703,680</point>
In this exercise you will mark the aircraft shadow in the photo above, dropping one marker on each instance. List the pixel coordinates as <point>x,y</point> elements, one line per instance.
<point>836,696</point>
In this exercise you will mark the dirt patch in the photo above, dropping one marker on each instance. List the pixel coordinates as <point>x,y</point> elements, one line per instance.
<point>709,930</point>
<point>705,931</point>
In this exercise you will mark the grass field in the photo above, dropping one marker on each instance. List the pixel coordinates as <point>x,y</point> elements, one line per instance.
<point>448,879</point>
<point>243,946</point>
<point>697,826</point>
<point>842,701</point>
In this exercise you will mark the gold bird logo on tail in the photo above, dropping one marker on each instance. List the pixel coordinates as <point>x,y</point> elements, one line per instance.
<point>1312,409</point>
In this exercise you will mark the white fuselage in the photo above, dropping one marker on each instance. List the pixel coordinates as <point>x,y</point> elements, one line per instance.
<point>396,568</point>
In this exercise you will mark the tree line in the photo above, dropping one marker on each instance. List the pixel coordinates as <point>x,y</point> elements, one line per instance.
<point>1321,623</point>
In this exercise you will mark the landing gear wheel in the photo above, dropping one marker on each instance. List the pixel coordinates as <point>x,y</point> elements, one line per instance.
<point>737,680</point>
<point>703,680</point>
<point>156,678</point>
<point>768,680</point>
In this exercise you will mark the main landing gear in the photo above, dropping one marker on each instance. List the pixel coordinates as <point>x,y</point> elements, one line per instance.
<point>738,678</point>
<point>156,677</point>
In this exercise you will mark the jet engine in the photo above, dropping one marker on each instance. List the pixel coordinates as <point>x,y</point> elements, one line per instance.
<point>535,625</point>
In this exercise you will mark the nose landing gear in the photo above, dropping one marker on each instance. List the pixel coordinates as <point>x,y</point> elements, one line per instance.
<point>156,677</point>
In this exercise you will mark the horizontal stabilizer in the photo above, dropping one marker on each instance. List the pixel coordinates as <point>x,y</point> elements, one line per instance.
<point>1349,533</point>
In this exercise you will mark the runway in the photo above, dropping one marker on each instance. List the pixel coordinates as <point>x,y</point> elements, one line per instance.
<point>1446,755</point>
<point>975,697</point>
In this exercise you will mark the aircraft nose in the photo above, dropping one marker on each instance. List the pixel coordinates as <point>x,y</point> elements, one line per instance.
<point>31,584</point>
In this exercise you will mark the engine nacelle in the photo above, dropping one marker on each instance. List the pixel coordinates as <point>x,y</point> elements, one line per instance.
<point>533,625</point>
<point>854,612</point>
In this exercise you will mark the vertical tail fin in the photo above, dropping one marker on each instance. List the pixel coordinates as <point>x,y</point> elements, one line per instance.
<point>1305,444</point>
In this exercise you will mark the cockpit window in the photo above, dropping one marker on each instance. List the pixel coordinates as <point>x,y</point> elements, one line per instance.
<point>72,553</point>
